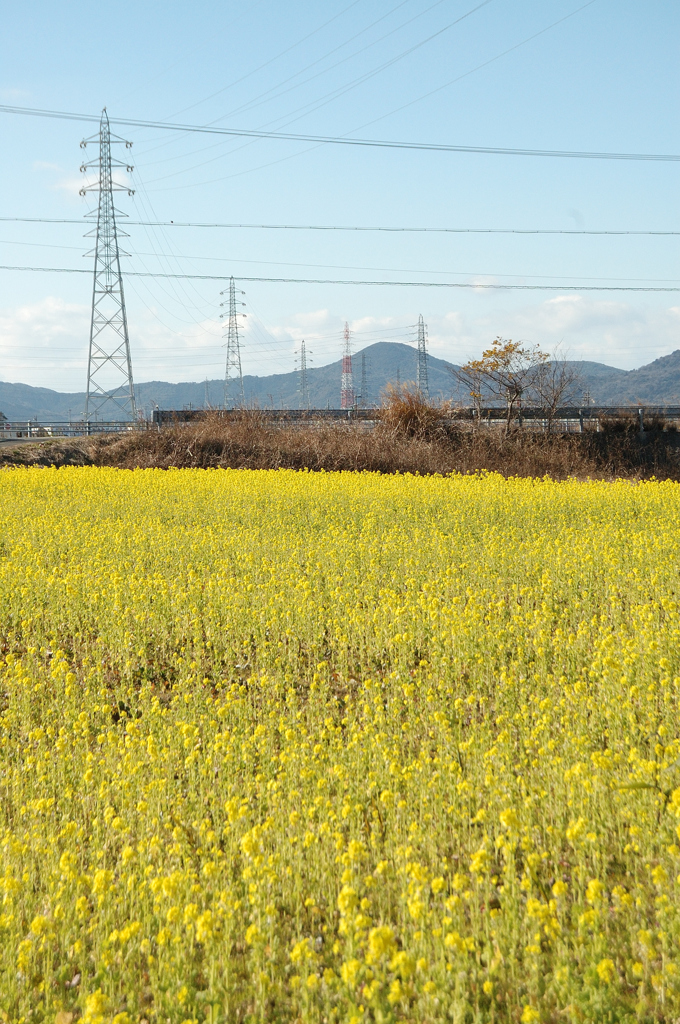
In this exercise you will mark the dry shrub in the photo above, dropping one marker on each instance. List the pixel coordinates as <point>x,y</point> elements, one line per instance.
<point>252,441</point>
<point>405,409</point>
<point>407,438</point>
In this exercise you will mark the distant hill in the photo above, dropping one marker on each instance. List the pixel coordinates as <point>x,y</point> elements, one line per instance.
<point>657,383</point>
<point>386,362</point>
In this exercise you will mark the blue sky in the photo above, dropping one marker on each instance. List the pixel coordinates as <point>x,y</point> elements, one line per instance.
<point>603,79</point>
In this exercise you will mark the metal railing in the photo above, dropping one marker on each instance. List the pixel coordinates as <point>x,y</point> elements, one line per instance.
<point>567,419</point>
<point>13,429</point>
<point>172,417</point>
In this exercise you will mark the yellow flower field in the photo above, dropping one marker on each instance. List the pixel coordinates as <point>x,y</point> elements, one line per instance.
<point>282,746</point>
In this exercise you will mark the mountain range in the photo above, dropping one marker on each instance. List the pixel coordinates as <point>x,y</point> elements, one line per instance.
<point>657,383</point>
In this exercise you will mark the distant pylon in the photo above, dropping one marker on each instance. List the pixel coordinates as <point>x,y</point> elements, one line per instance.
<point>109,368</point>
<point>422,382</point>
<point>303,384</point>
<point>233,375</point>
<point>347,380</point>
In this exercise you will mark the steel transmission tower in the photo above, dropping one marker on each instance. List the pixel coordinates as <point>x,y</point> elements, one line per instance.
<point>303,383</point>
<point>109,368</point>
<point>233,374</point>
<point>422,382</point>
<point>347,380</point>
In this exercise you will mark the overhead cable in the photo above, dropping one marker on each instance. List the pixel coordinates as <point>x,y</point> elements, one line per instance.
<point>240,262</point>
<point>382,284</point>
<point>345,227</point>
<point>338,141</point>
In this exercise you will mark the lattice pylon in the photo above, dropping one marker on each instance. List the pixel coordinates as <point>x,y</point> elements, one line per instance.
<point>422,380</point>
<point>347,379</point>
<point>234,395</point>
<point>303,383</point>
<point>110,390</point>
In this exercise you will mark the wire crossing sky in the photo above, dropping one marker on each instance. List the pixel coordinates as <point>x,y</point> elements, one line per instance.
<point>435,147</point>
<point>450,158</point>
<point>345,227</point>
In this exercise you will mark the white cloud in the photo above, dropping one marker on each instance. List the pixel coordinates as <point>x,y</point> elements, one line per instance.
<point>43,165</point>
<point>12,95</point>
<point>45,343</point>
<point>604,330</point>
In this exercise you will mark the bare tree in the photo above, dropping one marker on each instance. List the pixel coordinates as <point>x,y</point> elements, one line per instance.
<point>471,380</point>
<point>558,382</point>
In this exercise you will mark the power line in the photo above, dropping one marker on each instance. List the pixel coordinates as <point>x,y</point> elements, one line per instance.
<point>338,141</point>
<point>479,67</point>
<point>381,284</point>
<point>318,102</point>
<point>338,92</point>
<point>348,227</point>
<point>334,93</point>
<point>162,256</point>
<point>272,59</point>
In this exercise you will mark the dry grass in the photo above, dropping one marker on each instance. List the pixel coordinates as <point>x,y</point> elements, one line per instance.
<point>409,437</point>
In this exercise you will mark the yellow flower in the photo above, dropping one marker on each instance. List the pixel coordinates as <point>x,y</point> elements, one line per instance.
<point>659,876</point>
<point>403,964</point>
<point>349,971</point>
<point>347,900</point>
<point>479,863</point>
<point>355,850</point>
<point>68,863</point>
<point>395,993</point>
<point>381,942</point>
<point>454,941</point>
<point>509,818</point>
<point>594,891</point>
<point>204,927</point>
<point>102,881</point>
<point>301,951</point>
<point>96,1006</point>
<point>606,971</point>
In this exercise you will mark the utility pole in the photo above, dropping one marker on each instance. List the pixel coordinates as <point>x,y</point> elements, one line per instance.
<point>422,382</point>
<point>303,384</point>
<point>347,380</point>
<point>109,368</point>
<point>233,375</point>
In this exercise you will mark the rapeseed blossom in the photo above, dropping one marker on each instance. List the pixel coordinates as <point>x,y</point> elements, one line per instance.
<point>301,747</point>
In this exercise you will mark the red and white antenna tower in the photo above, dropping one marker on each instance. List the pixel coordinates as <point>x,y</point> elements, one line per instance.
<point>347,380</point>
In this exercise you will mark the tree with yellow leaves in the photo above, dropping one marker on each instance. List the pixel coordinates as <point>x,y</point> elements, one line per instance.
<point>506,372</point>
